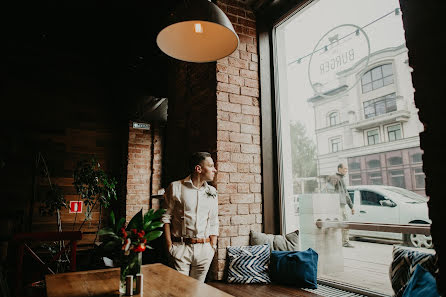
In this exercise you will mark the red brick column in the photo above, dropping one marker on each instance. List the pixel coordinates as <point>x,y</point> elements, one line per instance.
<point>140,167</point>
<point>238,137</point>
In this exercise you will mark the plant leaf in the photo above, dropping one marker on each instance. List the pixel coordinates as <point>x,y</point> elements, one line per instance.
<point>106,231</point>
<point>112,218</point>
<point>153,235</point>
<point>136,221</point>
<point>155,225</point>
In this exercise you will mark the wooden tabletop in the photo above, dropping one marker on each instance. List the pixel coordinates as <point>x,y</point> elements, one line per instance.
<point>159,280</point>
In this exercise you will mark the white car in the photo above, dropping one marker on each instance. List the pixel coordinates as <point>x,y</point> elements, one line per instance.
<point>389,205</point>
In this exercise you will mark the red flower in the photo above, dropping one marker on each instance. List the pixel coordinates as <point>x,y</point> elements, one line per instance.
<point>141,234</point>
<point>144,240</point>
<point>134,231</point>
<point>140,248</point>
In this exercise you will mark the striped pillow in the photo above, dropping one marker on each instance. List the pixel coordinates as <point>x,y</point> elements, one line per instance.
<point>403,265</point>
<point>248,264</point>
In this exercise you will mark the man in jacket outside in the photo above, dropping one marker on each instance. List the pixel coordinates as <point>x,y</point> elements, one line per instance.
<point>337,181</point>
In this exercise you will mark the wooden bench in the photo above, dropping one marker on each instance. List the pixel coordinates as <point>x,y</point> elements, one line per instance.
<point>258,290</point>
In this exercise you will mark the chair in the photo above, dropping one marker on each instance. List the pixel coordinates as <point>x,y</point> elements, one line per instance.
<point>22,239</point>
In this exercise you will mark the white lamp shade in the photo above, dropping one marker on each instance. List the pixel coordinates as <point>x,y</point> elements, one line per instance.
<point>214,40</point>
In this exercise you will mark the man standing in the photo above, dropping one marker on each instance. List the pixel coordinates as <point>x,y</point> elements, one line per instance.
<point>338,183</point>
<point>191,218</point>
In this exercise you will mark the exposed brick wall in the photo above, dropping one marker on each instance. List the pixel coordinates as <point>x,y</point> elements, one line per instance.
<point>142,161</point>
<point>239,177</point>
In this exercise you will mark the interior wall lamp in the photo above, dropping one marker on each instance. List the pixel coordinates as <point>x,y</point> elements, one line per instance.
<point>198,31</point>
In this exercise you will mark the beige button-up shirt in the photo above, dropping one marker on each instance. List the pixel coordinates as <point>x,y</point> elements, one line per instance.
<point>191,211</point>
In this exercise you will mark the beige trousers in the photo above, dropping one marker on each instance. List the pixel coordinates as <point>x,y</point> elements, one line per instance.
<point>192,259</point>
<point>345,232</point>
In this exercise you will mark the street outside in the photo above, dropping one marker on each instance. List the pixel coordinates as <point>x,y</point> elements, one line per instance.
<point>367,266</point>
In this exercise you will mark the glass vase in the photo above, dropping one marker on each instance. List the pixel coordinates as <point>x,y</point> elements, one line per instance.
<point>130,265</point>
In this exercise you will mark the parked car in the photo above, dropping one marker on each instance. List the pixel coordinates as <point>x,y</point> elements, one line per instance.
<point>390,205</point>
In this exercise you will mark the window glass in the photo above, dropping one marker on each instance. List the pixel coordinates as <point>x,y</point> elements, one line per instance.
<point>387,70</point>
<point>373,137</point>
<point>380,106</point>
<point>397,178</point>
<point>371,198</point>
<point>395,161</point>
<point>417,158</point>
<point>352,195</point>
<point>340,56</point>
<point>354,165</point>
<point>375,178</point>
<point>377,78</point>
<point>373,164</point>
<point>355,179</point>
<point>394,132</point>
<point>419,178</point>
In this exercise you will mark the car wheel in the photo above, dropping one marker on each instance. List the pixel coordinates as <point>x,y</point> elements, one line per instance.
<point>418,240</point>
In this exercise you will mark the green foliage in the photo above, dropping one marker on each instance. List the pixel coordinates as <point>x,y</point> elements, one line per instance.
<point>93,184</point>
<point>303,152</point>
<point>140,230</point>
<point>53,201</point>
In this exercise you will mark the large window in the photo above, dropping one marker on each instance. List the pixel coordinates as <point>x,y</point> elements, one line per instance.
<point>394,132</point>
<point>373,136</point>
<point>377,78</point>
<point>333,118</point>
<point>379,106</point>
<point>352,63</point>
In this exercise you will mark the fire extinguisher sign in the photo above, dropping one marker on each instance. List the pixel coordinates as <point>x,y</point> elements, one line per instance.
<point>75,206</point>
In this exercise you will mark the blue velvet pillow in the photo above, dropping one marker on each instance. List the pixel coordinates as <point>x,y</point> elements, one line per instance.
<point>421,284</point>
<point>294,268</point>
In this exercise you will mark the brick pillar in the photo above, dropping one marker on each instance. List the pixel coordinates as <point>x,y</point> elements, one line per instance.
<point>239,177</point>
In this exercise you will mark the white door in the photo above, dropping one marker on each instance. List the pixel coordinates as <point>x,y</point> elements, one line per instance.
<point>372,207</point>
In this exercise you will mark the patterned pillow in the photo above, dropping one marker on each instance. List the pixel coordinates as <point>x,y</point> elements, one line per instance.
<point>403,265</point>
<point>248,264</point>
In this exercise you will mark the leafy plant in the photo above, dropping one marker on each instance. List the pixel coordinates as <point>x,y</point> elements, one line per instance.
<point>123,244</point>
<point>53,201</point>
<point>93,184</point>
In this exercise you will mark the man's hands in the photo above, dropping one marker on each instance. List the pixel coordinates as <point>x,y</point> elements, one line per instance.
<point>214,242</point>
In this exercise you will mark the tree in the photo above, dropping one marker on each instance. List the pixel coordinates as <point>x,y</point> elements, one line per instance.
<point>303,152</point>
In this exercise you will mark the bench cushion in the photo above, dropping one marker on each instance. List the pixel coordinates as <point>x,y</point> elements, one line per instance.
<point>295,268</point>
<point>421,284</point>
<point>289,242</point>
<point>248,264</point>
<point>403,266</point>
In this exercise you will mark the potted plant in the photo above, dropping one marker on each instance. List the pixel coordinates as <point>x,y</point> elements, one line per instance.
<point>125,244</point>
<point>94,186</point>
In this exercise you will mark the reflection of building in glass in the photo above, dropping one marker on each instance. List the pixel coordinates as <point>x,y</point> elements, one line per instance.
<point>374,127</point>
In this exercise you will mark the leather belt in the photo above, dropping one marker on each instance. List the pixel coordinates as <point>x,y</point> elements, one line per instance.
<point>188,240</point>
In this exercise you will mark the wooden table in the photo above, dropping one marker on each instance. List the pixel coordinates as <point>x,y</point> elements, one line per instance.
<point>159,280</point>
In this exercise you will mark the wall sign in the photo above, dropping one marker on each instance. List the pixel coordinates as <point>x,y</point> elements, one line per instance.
<point>76,206</point>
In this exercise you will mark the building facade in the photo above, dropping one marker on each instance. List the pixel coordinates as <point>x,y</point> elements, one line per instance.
<point>374,126</point>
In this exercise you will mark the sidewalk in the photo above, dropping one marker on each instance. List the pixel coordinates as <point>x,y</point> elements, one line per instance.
<point>367,266</point>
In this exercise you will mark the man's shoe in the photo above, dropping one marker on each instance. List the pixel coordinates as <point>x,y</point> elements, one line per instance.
<point>348,245</point>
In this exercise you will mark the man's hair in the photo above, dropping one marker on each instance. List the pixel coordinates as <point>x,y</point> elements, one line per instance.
<point>340,166</point>
<point>196,159</point>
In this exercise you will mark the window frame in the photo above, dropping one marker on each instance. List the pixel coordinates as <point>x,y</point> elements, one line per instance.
<point>393,125</point>
<point>367,137</point>
<point>370,71</point>
<point>330,144</point>
<point>336,118</point>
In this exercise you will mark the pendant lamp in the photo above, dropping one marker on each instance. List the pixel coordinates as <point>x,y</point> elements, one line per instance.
<point>198,31</point>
